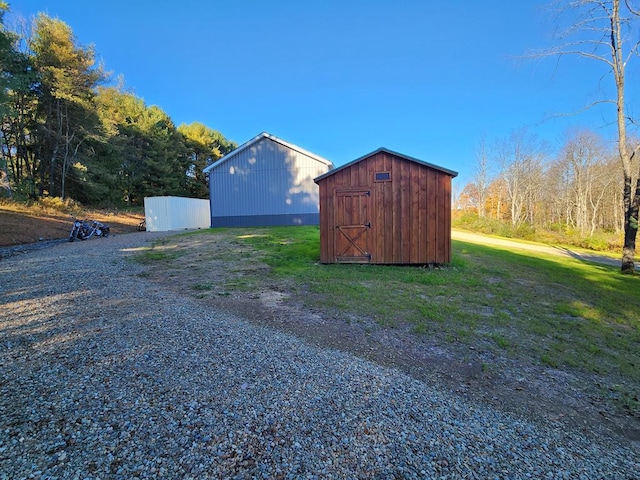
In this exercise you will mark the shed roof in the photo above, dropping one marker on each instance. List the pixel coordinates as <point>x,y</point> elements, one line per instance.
<point>255,140</point>
<point>446,171</point>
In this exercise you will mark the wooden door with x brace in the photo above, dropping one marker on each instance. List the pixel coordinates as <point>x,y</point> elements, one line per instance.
<point>352,208</point>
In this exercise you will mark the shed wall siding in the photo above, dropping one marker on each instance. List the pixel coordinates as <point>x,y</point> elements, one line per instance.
<point>410,215</point>
<point>266,220</point>
<point>265,182</point>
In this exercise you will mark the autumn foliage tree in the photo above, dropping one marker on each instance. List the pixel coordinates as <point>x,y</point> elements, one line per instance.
<point>577,191</point>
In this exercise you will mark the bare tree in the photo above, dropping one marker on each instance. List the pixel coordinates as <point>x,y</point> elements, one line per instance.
<point>482,177</point>
<point>556,198</point>
<point>583,161</point>
<point>598,33</point>
<point>521,162</point>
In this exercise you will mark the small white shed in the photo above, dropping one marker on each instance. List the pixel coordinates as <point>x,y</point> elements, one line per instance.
<point>163,214</point>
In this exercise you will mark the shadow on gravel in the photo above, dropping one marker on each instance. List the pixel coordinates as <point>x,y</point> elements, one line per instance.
<point>6,252</point>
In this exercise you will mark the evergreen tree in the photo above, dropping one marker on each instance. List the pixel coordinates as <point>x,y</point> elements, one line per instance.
<point>205,146</point>
<point>18,103</point>
<point>69,77</point>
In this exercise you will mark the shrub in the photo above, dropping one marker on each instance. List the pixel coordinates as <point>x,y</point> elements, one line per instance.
<point>57,204</point>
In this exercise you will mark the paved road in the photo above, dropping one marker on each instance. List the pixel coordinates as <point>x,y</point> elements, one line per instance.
<point>548,249</point>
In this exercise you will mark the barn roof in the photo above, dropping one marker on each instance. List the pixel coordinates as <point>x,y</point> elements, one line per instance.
<point>446,171</point>
<point>255,140</point>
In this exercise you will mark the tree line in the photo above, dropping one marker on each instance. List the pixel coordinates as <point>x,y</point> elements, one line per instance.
<point>67,131</point>
<point>586,187</point>
<point>516,180</point>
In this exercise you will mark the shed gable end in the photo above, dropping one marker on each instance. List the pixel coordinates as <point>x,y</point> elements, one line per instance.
<point>408,216</point>
<point>265,183</point>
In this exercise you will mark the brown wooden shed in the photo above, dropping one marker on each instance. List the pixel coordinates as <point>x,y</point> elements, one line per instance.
<point>385,208</point>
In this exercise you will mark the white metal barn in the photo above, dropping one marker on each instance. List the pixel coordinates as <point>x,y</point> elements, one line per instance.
<point>266,181</point>
<point>163,214</point>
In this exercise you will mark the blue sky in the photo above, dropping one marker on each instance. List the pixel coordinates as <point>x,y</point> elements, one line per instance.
<point>426,78</point>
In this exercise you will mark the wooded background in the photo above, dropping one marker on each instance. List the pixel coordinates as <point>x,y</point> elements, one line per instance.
<point>69,129</point>
<point>517,181</point>
<point>66,130</point>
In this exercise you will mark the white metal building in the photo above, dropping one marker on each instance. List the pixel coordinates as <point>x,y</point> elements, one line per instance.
<point>266,181</point>
<point>163,214</point>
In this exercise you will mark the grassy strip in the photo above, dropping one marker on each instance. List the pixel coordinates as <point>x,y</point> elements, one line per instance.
<point>161,251</point>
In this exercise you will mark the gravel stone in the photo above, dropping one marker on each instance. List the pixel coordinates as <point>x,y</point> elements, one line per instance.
<point>106,375</point>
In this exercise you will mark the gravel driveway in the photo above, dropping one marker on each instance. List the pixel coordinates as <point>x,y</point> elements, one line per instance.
<point>107,375</point>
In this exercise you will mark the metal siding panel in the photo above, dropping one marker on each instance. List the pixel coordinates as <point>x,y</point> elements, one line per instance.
<point>265,220</point>
<point>266,179</point>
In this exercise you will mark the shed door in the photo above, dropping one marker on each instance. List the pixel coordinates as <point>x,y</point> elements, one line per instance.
<point>353,226</point>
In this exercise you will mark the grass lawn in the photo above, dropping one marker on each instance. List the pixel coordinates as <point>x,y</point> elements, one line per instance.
<point>550,310</point>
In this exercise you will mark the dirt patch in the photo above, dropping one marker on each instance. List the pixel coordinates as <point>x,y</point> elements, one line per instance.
<point>225,274</point>
<point>22,226</point>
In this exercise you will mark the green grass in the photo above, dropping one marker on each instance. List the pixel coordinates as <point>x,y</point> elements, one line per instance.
<point>290,250</point>
<point>150,256</point>
<point>556,311</point>
<point>159,252</point>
